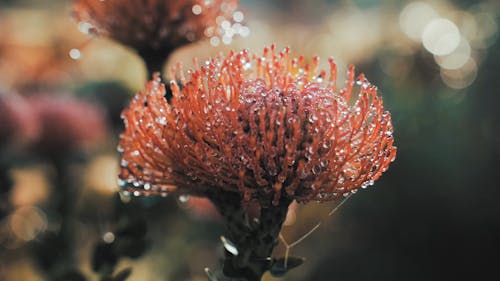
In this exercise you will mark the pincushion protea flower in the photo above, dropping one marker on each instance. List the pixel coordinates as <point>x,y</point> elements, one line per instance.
<point>263,127</point>
<point>154,28</point>
<point>249,131</point>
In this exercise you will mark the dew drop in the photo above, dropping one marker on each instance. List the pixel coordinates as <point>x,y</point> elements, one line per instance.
<point>108,237</point>
<point>124,196</point>
<point>247,66</point>
<point>184,198</point>
<point>84,27</point>
<point>197,9</point>
<point>214,41</point>
<point>75,54</point>
<point>238,16</point>
<point>229,246</point>
<point>123,163</point>
<point>316,169</point>
<point>161,120</point>
<point>122,183</point>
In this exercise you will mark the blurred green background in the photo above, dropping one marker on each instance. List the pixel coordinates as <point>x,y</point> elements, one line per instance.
<point>433,215</point>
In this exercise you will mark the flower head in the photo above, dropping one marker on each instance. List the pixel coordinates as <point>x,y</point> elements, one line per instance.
<point>263,126</point>
<point>67,124</point>
<point>155,28</point>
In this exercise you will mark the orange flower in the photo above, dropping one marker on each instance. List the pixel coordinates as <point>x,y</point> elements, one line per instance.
<point>262,126</point>
<point>154,28</point>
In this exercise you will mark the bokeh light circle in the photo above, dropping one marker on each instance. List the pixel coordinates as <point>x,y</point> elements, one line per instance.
<point>441,37</point>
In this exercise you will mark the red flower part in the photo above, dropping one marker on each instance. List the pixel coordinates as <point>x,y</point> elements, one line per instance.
<point>18,123</point>
<point>262,126</point>
<point>68,123</point>
<point>155,24</point>
<point>202,208</point>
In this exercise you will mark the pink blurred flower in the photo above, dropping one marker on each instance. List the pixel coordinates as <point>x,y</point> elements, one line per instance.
<point>18,123</point>
<point>68,123</point>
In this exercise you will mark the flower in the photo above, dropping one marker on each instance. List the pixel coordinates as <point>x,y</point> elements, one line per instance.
<point>262,126</point>
<point>67,124</point>
<point>155,28</point>
<point>18,123</point>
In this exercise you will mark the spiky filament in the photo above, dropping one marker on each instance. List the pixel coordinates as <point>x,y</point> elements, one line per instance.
<point>263,126</point>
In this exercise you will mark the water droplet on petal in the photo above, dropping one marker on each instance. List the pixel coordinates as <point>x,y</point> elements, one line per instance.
<point>184,198</point>
<point>316,169</point>
<point>229,246</point>
<point>197,9</point>
<point>108,237</point>
<point>123,163</point>
<point>161,120</point>
<point>75,54</point>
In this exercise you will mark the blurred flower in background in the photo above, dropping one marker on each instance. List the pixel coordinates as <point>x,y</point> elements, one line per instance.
<point>67,124</point>
<point>157,28</point>
<point>34,48</point>
<point>19,124</point>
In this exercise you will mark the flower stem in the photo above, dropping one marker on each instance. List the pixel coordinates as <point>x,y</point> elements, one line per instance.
<point>254,240</point>
<point>5,187</point>
<point>154,59</point>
